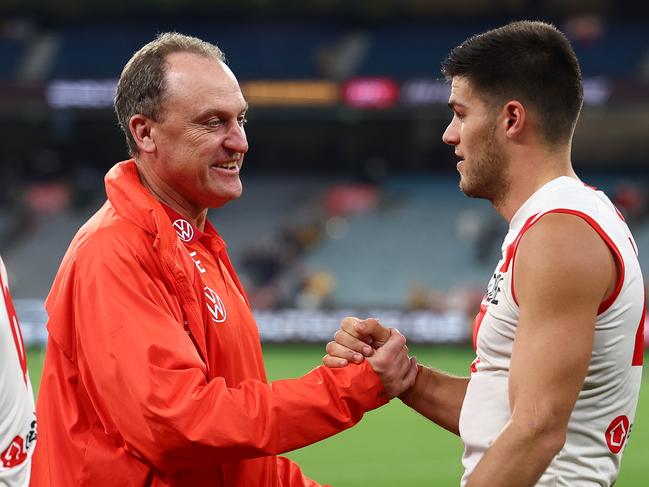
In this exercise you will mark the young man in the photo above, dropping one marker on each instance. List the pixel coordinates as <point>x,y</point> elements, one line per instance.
<point>154,373</point>
<point>17,415</point>
<point>553,390</point>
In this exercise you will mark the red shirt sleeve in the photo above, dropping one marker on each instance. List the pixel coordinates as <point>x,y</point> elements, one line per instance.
<point>147,383</point>
<point>291,475</point>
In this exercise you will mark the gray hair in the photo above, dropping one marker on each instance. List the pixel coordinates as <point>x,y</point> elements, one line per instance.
<point>142,84</point>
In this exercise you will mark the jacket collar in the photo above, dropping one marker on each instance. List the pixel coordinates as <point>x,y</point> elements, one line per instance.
<point>186,230</point>
<point>130,198</point>
<point>131,201</point>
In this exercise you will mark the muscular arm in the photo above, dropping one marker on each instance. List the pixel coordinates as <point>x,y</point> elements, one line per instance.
<point>151,391</point>
<point>563,270</point>
<point>437,396</point>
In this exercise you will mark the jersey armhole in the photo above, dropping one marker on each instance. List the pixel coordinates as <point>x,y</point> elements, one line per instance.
<point>617,256</point>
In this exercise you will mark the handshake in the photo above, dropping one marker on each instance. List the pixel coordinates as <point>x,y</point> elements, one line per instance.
<point>384,348</point>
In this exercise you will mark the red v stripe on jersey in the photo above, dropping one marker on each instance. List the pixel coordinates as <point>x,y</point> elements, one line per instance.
<point>15,330</point>
<point>511,252</point>
<point>476,324</point>
<point>511,249</point>
<point>638,350</point>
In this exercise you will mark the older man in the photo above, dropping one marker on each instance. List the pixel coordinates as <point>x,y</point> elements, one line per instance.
<point>154,372</point>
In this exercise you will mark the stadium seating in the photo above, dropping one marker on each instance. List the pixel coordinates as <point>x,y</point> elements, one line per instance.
<point>97,51</point>
<point>11,52</point>
<point>412,239</point>
<point>412,50</point>
<point>288,50</point>
<point>269,204</point>
<point>618,51</point>
<point>426,234</point>
<point>283,49</point>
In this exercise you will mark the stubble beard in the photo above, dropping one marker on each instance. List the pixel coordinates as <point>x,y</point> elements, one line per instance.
<point>487,177</point>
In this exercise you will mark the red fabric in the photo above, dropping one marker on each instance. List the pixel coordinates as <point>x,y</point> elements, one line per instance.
<point>477,323</point>
<point>638,350</point>
<point>511,248</point>
<point>511,255</point>
<point>619,261</point>
<point>290,474</point>
<point>139,388</point>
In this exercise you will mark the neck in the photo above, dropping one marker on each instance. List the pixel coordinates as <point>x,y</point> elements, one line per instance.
<point>168,196</point>
<point>528,173</point>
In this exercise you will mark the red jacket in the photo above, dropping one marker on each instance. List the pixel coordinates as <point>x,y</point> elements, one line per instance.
<point>131,392</point>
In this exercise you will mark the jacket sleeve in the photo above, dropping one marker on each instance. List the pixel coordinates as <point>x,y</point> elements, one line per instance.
<point>147,382</point>
<point>291,475</point>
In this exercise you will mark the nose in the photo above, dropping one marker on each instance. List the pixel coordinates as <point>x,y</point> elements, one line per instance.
<point>236,139</point>
<point>451,135</point>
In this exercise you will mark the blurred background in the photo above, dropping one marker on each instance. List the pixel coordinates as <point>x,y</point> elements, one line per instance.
<point>350,202</point>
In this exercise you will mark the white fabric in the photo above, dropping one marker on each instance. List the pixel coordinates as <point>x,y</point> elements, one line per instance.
<point>612,384</point>
<point>17,412</point>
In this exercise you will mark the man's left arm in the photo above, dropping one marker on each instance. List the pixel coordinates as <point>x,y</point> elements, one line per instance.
<point>563,270</point>
<point>291,475</point>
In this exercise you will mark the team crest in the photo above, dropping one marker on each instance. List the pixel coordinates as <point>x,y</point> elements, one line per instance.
<point>617,433</point>
<point>14,454</point>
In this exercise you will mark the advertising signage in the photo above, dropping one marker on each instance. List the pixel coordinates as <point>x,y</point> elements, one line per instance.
<point>378,93</point>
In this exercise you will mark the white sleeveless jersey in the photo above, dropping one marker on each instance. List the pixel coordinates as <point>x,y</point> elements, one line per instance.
<point>602,420</point>
<point>17,412</point>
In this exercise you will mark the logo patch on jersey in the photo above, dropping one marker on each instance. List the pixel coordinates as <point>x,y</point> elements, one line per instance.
<point>494,288</point>
<point>215,306</point>
<point>184,230</point>
<point>617,433</point>
<point>15,453</point>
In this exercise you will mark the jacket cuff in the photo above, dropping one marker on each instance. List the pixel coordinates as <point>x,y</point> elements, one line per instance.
<point>364,385</point>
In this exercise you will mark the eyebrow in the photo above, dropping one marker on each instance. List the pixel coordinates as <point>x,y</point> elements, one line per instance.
<point>454,104</point>
<point>210,112</point>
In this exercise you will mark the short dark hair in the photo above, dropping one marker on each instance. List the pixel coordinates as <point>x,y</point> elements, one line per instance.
<point>526,60</point>
<point>142,84</point>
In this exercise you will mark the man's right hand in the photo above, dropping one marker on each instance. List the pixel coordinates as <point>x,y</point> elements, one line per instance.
<point>355,340</point>
<point>385,349</point>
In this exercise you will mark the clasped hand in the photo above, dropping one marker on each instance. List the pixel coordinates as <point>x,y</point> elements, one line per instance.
<point>384,348</point>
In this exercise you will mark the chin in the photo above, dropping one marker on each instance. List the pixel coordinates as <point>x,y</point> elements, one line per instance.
<point>235,194</point>
<point>464,186</point>
<point>224,199</point>
<point>470,191</point>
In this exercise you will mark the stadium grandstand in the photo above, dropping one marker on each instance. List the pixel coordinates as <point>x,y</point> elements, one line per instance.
<point>351,202</point>
<point>341,105</point>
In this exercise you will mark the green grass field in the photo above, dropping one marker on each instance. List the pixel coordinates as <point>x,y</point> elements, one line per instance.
<point>395,446</point>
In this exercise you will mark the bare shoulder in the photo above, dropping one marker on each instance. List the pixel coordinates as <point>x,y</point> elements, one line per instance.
<point>563,254</point>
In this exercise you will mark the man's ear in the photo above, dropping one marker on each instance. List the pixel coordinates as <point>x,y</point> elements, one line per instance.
<point>515,119</point>
<point>140,127</point>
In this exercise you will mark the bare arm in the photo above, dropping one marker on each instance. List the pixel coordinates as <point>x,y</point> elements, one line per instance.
<point>435,394</point>
<point>560,283</point>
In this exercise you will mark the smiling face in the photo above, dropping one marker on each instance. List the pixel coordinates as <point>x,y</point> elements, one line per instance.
<point>200,141</point>
<point>483,166</point>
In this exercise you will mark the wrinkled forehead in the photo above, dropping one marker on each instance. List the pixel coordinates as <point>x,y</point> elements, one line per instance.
<point>193,78</point>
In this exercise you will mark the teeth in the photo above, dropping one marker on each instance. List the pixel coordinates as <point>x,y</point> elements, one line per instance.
<point>228,165</point>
